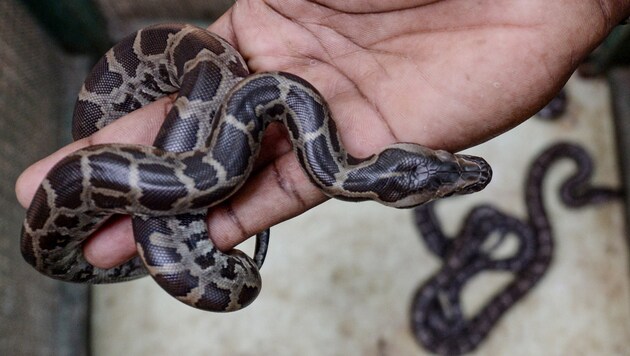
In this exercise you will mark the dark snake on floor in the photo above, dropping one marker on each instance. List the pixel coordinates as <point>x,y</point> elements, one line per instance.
<point>437,317</point>
<point>203,153</point>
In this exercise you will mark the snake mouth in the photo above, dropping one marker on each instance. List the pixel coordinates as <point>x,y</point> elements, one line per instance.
<point>476,172</point>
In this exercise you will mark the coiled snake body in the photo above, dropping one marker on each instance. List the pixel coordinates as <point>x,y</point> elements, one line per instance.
<point>437,316</point>
<point>203,153</point>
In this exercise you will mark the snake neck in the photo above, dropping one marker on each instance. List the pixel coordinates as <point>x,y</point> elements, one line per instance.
<point>264,98</point>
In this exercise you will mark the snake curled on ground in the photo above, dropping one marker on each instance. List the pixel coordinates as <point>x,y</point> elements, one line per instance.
<point>437,317</point>
<point>203,153</point>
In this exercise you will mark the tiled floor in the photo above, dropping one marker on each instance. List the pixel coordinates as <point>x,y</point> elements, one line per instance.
<point>339,279</point>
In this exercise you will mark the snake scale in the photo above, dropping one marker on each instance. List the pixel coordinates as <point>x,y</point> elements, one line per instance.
<point>202,154</point>
<point>437,317</point>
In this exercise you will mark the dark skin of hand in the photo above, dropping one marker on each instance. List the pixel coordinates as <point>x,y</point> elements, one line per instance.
<point>445,74</point>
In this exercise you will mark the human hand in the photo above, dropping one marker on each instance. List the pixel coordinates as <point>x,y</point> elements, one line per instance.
<point>445,74</point>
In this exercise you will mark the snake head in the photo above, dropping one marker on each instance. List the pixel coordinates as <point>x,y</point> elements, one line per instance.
<point>407,175</point>
<point>438,174</point>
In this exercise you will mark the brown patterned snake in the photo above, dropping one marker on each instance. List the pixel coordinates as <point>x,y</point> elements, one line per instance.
<point>202,155</point>
<point>437,317</point>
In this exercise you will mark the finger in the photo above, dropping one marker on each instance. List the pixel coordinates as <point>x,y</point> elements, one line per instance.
<point>140,126</point>
<point>277,193</point>
<point>112,244</point>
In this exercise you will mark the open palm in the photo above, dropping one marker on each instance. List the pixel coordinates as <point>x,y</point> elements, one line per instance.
<point>445,74</point>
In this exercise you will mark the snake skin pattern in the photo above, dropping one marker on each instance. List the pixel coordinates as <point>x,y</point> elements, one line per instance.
<point>203,153</point>
<point>437,317</point>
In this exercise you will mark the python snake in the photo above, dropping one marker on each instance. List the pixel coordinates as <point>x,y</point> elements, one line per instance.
<point>437,317</point>
<point>203,153</point>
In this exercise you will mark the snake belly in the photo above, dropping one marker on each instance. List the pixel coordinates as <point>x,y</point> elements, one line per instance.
<point>204,152</point>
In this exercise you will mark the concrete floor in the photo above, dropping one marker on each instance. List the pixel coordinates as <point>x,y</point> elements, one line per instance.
<point>339,279</point>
